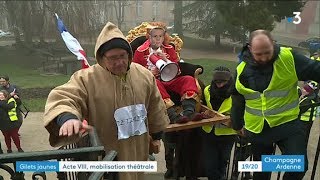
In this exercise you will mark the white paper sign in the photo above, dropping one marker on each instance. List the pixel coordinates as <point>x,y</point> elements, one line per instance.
<point>131,120</point>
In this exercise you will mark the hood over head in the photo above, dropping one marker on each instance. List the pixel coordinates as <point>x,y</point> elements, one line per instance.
<point>221,73</point>
<point>310,86</point>
<point>110,38</point>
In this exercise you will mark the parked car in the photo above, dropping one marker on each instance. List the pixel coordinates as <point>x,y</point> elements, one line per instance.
<point>313,44</point>
<point>3,33</point>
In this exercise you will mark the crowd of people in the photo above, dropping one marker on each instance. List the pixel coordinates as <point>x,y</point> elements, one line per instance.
<point>261,97</point>
<point>124,98</point>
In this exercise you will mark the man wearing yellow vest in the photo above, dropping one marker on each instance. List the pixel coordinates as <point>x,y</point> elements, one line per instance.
<point>265,104</point>
<point>218,140</point>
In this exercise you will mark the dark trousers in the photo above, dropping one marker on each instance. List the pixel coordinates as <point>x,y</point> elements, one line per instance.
<point>217,150</point>
<point>290,138</point>
<point>1,151</point>
<point>308,126</point>
<point>242,152</point>
<point>169,142</point>
<point>189,154</point>
<point>12,134</point>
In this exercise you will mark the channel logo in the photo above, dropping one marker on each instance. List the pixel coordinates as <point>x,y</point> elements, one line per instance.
<point>296,19</point>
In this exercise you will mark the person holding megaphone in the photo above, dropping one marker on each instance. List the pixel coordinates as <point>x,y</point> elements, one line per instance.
<point>157,55</point>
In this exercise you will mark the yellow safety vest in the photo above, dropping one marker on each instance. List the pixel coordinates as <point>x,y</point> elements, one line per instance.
<point>13,112</point>
<point>224,108</point>
<point>306,115</point>
<point>318,59</point>
<point>277,104</point>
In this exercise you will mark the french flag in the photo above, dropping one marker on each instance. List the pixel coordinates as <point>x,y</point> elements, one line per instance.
<point>72,43</point>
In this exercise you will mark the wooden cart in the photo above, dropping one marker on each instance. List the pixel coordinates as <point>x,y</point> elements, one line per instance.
<point>215,118</point>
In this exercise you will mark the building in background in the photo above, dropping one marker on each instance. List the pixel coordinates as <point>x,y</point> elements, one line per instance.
<point>136,12</point>
<point>310,22</point>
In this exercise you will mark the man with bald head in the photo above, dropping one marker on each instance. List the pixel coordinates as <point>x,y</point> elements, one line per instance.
<point>265,104</point>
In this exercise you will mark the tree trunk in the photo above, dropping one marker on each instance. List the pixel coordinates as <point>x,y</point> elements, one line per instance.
<point>178,18</point>
<point>119,10</point>
<point>26,22</point>
<point>217,39</point>
<point>11,6</point>
<point>42,30</point>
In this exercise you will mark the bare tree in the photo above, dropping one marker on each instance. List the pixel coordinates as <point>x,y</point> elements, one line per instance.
<point>119,7</point>
<point>35,19</point>
<point>177,11</point>
<point>12,7</point>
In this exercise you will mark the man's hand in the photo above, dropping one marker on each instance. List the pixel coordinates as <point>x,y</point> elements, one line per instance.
<point>162,55</point>
<point>15,96</point>
<point>303,93</point>
<point>74,127</point>
<point>155,146</point>
<point>241,132</point>
<point>13,93</point>
<point>155,71</point>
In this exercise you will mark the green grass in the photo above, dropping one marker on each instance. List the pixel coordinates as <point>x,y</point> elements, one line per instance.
<point>35,105</point>
<point>209,65</point>
<point>30,78</point>
<point>205,44</point>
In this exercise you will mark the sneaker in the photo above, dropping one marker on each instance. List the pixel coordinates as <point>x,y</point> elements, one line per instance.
<point>9,151</point>
<point>182,120</point>
<point>151,157</point>
<point>196,117</point>
<point>20,150</point>
<point>248,176</point>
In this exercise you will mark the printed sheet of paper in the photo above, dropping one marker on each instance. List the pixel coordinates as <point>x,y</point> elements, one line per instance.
<point>131,120</point>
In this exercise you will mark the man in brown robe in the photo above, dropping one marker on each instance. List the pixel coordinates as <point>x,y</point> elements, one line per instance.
<point>119,98</point>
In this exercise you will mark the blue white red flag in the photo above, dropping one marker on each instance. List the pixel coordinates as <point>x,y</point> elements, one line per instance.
<point>72,43</point>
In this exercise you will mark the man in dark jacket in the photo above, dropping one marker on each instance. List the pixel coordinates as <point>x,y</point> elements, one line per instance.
<point>218,140</point>
<point>5,85</point>
<point>265,101</point>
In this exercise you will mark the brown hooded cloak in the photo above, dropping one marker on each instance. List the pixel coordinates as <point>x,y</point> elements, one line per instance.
<point>95,94</point>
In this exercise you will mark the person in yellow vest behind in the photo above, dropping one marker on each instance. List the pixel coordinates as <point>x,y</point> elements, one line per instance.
<point>308,95</point>
<point>265,103</point>
<point>9,122</point>
<point>316,56</point>
<point>218,140</point>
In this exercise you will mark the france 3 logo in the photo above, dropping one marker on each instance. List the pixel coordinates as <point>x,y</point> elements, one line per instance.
<point>296,19</point>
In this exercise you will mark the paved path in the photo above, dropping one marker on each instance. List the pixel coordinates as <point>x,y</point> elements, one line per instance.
<point>35,138</point>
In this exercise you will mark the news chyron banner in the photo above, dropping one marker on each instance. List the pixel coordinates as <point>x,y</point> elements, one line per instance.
<point>274,163</point>
<point>86,166</point>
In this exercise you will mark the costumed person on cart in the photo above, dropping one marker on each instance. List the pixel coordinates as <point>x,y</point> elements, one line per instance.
<point>157,47</point>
